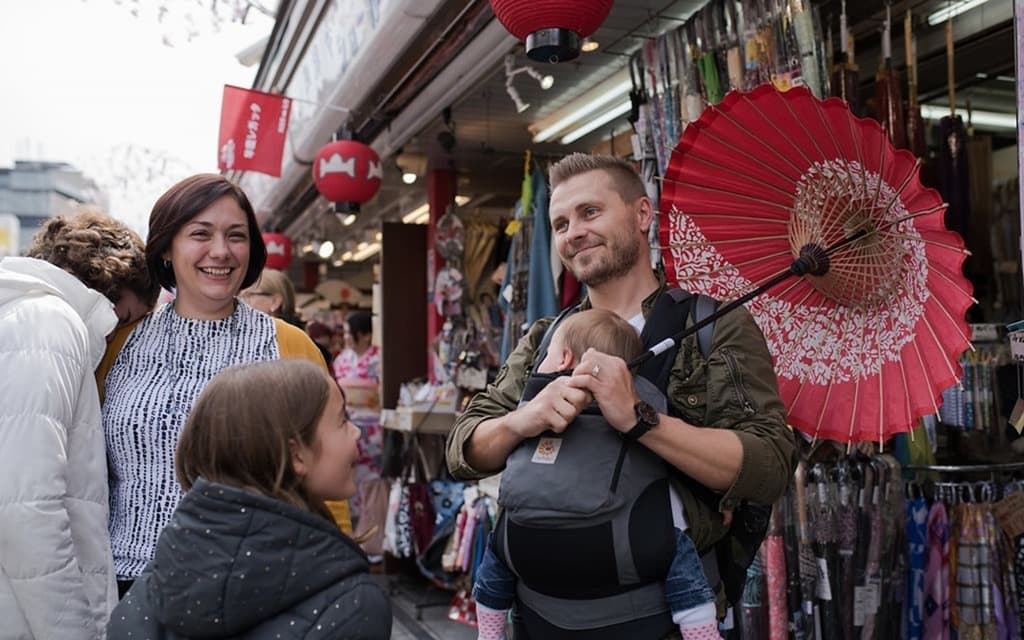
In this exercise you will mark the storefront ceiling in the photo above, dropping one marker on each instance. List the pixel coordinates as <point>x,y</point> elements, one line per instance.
<point>490,136</point>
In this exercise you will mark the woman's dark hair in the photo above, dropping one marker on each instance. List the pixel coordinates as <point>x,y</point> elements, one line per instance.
<point>360,324</point>
<point>186,200</point>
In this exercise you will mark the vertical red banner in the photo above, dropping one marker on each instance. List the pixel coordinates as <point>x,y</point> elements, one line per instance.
<point>253,126</point>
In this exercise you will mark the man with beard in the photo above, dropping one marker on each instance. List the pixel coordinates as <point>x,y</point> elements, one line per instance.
<point>725,429</point>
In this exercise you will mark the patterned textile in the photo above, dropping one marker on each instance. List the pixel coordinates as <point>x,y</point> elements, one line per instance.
<point>397,527</point>
<point>351,366</point>
<point>1018,566</point>
<point>1010,618</point>
<point>775,574</point>
<point>917,517</point>
<point>974,575</point>
<point>847,530</point>
<point>936,590</point>
<point>872,580</point>
<point>164,365</point>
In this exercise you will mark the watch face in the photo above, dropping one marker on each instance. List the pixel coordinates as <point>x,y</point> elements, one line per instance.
<point>646,413</point>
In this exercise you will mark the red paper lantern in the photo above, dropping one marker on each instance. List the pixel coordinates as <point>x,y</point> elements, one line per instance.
<point>279,250</point>
<point>347,171</point>
<point>551,29</point>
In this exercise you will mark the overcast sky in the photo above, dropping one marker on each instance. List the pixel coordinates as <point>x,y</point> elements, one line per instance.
<point>88,82</point>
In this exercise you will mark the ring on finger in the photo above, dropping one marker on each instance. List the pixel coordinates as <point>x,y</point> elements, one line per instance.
<point>596,370</point>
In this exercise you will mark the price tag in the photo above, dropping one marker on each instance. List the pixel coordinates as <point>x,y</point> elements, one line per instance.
<point>1017,345</point>
<point>1010,513</point>
<point>824,589</point>
<point>984,332</point>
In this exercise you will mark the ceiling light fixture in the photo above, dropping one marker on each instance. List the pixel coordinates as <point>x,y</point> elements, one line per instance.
<point>419,215</point>
<point>952,10</point>
<point>326,249</point>
<point>511,71</point>
<point>367,250</point>
<point>574,135</point>
<point>982,119</point>
<point>589,44</point>
<point>408,177</point>
<point>613,89</point>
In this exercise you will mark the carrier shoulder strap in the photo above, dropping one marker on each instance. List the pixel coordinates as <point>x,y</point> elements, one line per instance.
<point>670,314</point>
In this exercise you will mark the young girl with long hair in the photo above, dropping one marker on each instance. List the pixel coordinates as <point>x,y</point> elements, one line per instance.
<point>251,550</point>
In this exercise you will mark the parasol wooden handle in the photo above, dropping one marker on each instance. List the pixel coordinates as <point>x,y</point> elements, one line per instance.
<point>949,68</point>
<point>908,46</point>
<point>803,528</point>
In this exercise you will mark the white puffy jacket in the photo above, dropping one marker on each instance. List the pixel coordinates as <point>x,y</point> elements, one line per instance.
<point>56,570</point>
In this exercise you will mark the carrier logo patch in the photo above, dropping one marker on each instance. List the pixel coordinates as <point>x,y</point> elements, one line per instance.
<point>547,451</point>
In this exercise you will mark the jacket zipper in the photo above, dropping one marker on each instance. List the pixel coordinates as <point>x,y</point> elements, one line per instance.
<point>737,382</point>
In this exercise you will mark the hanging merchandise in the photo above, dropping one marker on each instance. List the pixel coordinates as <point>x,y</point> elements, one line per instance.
<point>450,236</point>
<point>692,102</point>
<point>758,44</point>
<point>846,73</point>
<point>541,296</point>
<point>915,124</point>
<point>734,58</point>
<point>954,179</point>
<point>806,39</point>
<point>786,70</point>
<point>707,63</point>
<point>481,238</point>
<point>552,30</point>
<point>863,347</point>
<point>888,91</point>
<point>347,173</point>
<point>448,292</point>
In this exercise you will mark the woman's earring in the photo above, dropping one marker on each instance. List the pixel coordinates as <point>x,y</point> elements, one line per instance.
<point>167,264</point>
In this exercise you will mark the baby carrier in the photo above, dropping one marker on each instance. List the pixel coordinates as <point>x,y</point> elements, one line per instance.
<point>587,515</point>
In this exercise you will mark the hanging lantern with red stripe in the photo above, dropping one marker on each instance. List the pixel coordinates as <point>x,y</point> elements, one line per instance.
<point>279,250</point>
<point>348,173</point>
<point>551,29</point>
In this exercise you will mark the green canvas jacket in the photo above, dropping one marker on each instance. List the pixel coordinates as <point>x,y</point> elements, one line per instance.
<point>734,389</point>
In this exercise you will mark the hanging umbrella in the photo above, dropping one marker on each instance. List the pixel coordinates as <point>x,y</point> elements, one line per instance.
<point>769,185</point>
<point>888,90</point>
<point>915,124</point>
<point>338,291</point>
<point>846,73</point>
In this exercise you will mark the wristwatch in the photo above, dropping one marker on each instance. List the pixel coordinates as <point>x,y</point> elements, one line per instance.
<point>646,419</point>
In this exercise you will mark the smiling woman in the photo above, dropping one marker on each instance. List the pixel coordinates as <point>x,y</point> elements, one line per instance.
<point>205,245</point>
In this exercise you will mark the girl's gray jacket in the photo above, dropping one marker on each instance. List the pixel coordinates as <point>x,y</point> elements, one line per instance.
<point>232,564</point>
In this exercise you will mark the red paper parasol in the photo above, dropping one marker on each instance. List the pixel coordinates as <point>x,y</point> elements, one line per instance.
<point>764,177</point>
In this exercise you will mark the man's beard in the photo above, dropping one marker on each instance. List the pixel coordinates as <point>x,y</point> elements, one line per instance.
<point>617,262</point>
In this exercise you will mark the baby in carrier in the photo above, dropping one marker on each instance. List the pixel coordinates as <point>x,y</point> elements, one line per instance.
<point>688,594</point>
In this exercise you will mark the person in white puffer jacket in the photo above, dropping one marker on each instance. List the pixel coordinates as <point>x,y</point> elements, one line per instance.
<point>87,275</point>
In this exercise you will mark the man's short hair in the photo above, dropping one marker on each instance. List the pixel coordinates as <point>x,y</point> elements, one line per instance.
<point>624,178</point>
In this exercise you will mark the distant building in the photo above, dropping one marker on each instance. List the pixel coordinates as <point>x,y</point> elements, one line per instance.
<point>33,191</point>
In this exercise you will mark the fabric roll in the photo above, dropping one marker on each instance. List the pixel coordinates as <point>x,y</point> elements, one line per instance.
<point>917,519</point>
<point>936,590</point>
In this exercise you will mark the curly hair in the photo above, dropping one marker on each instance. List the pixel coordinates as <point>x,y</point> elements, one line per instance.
<point>101,252</point>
